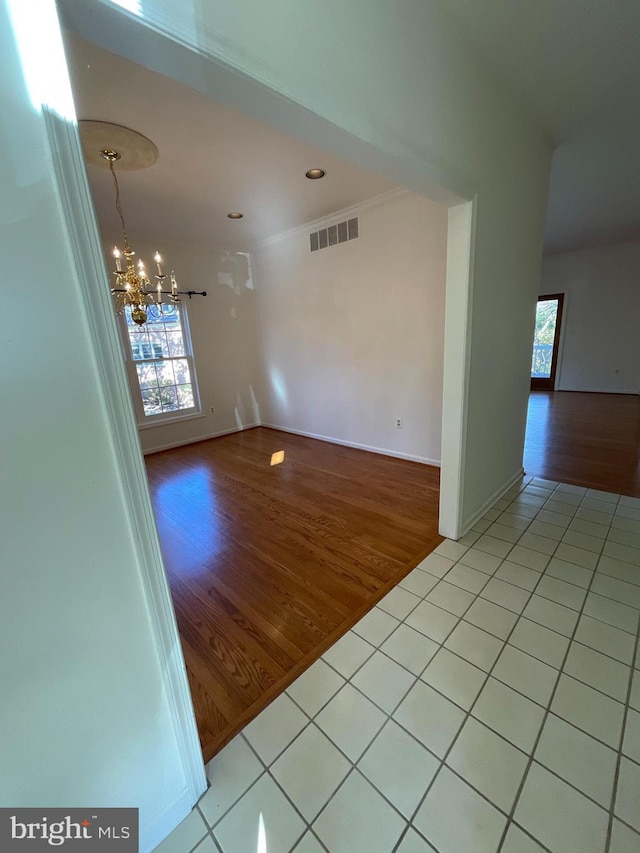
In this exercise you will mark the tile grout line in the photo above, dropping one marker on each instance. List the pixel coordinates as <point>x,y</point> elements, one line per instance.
<point>267,772</point>
<point>504,644</point>
<point>600,554</point>
<point>547,711</point>
<point>207,833</point>
<point>442,645</point>
<point>487,725</point>
<point>614,792</point>
<point>520,615</point>
<point>468,713</point>
<point>418,677</point>
<point>206,823</point>
<point>354,764</point>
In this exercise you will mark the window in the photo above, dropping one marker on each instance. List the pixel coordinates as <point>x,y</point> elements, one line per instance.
<point>160,364</point>
<point>145,349</point>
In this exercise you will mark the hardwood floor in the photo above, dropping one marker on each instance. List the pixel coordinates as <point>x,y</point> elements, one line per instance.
<point>269,564</point>
<point>586,439</point>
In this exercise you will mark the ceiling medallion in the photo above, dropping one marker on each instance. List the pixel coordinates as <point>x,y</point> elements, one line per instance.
<point>105,145</point>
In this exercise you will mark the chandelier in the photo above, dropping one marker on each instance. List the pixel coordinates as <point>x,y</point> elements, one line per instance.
<point>132,291</point>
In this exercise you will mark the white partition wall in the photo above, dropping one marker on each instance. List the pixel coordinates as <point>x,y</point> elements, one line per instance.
<point>95,706</point>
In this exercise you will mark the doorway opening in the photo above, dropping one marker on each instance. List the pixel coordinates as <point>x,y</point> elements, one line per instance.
<point>259,588</point>
<point>546,342</point>
<point>458,275</point>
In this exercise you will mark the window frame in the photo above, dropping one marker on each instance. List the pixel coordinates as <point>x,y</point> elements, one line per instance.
<point>143,420</point>
<point>548,383</point>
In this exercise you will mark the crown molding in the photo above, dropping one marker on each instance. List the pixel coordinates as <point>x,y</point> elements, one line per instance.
<point>338,216</point>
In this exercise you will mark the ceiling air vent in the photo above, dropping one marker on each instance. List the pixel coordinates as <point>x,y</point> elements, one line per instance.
<point>334,234</point>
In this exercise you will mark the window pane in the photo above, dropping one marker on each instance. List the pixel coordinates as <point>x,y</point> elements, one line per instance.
<point>147,375</point>
<point>546,317</point>
<point>169,399</point>
<point>185,396</point>
<point>164,369</point>
<point>152,402</point>
<point>175,343</point>
<point>158,345</point>
<point>139,342</point>
<point>181,371</point>
<point>154,347</point>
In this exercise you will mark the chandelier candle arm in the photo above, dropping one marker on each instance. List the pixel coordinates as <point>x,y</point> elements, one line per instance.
<point>188,293</point>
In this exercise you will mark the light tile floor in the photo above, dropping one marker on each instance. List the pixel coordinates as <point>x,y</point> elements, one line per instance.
<point>490,702</point>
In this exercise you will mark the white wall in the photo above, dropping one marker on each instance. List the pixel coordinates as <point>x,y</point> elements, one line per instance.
<point>84,715</point>
<point>396,86</point>
<point>224,336</point>
<point>352,335</point>
<point>600,344</point>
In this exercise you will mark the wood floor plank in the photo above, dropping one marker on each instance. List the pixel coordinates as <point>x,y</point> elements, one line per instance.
<point>590,440</point>
<point>269,565</point>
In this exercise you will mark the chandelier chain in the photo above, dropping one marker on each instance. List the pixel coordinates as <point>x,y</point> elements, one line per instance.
<point>118,205</point>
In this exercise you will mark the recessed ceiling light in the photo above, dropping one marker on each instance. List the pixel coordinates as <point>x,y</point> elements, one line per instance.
<point>235,215</point>
<point>314,174</point>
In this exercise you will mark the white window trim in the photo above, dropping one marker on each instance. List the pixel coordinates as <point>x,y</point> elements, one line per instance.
<point>167,420</point>
<point>148,421</point>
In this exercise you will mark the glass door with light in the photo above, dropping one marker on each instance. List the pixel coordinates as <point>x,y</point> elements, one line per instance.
<point>545,342</point>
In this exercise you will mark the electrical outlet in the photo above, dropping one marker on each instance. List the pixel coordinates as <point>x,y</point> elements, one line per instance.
<point>213,410</point>
<point>398,423</point>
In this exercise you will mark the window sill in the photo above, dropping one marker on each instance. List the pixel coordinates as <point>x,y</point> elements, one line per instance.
<point>192,416</point>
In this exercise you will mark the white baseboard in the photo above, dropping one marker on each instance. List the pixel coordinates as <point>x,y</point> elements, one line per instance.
<point>468,523</point>
<point>424,460</point>
<point>601,390</point>
<point>205,437</point>
<point>163,824</point>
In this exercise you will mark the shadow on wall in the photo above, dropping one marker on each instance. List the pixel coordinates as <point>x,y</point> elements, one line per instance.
<point>253,416</point>
<point>234,271</point>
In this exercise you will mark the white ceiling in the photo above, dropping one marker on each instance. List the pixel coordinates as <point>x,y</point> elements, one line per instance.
<point>213,160</point>
<point>576,63</point>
